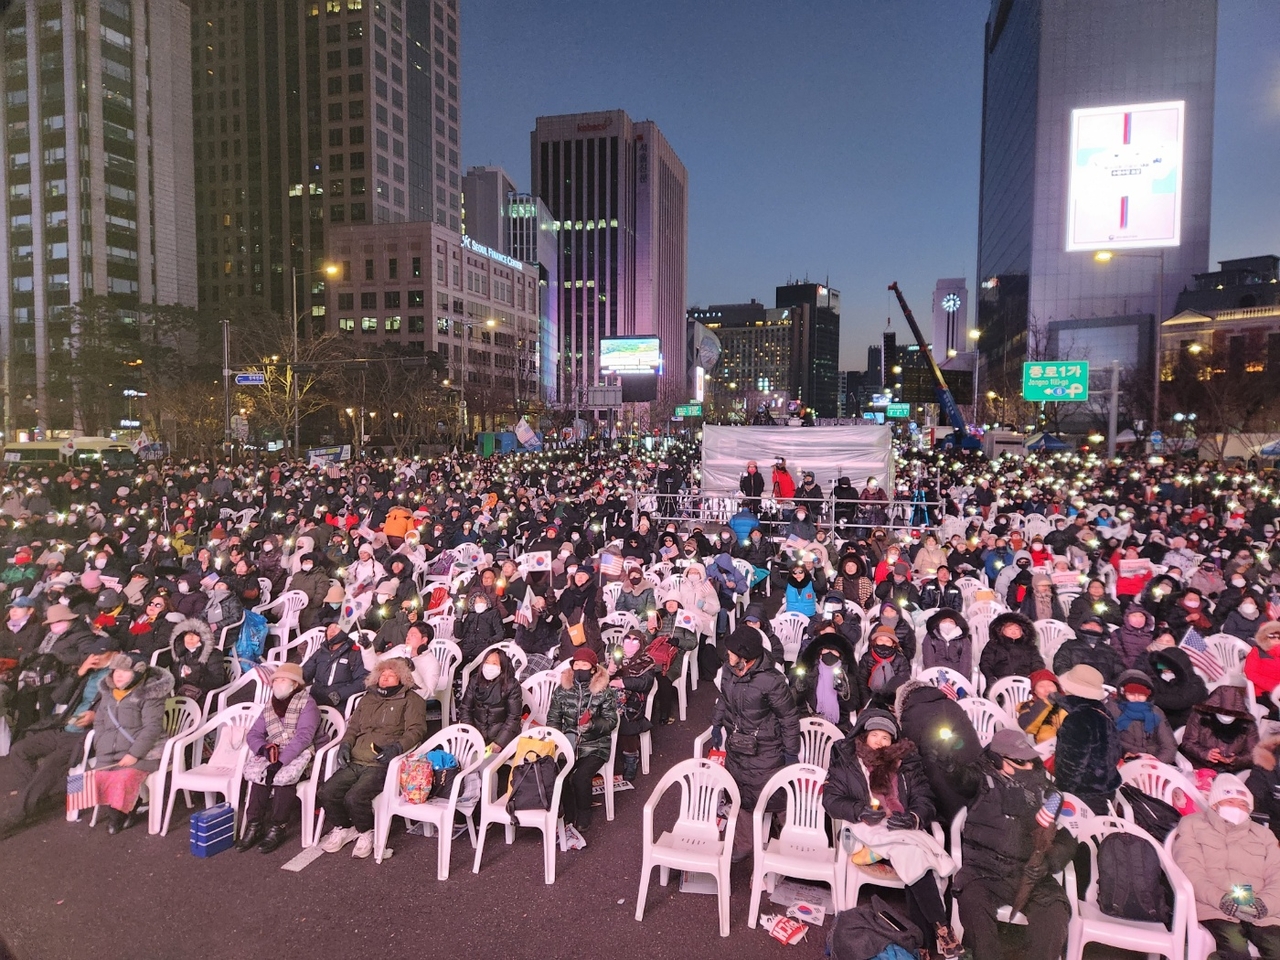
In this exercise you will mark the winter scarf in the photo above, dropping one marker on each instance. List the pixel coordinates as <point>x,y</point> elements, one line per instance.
<point>882,765</point>
<point>826,699</point>
<point>1137,711</point>
<point>882,673</point>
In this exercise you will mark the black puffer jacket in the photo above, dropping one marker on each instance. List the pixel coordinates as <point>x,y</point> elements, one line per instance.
<point>758,702</point>
<point>1098,654</point>
<point>494,706</point>
<point>336,673</point>
<point>947,742</point>
<point>847,794</point>
<point>1004,658</point>
<point>805,674</point>
<point>1177,695</point>
<point>475,631</point>
<point>1088,753</point>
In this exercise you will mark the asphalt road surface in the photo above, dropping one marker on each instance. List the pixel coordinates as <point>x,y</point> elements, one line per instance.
<point>68,891</point>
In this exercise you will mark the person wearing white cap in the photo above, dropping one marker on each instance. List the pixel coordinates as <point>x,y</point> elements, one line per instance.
<point>1089,748</point>
<point>1234,868</point>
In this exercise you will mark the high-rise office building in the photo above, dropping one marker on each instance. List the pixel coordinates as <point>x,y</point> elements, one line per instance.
<point>96,178</point>
<point>819,383</point>
<point>618,196</point>
<point>533,239</point>
<point>950,317</point>
<point>1097,134</point>
<point>761,351</point>
<point>486,199</point>
<point>312,115</point>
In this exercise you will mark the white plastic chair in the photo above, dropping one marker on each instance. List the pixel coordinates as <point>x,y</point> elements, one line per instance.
<point>986,717</point>
<point>1229,650</point>
<point>442,624</point>
<point>853,876</point>
<point>493,808</point>
<point>817,737</point>
<point>610,593</point>
<point>940,676</point>
<point>289,606</point>
<point>801,849</point>
<point>1052,634</point>
<point>514,653</point>
<point>225,634</point>
<point>968,586</point>
<point>1090,925</point>
<point>537,695</point>
<point>620,618</point>
<point>646,736</point>
<point>694,842</point>
<point>225,777</point>
<point>332,729</point>
<point>687,671</point>
<point>985,608</point>
<point>1159,780</point>
<point>264,590</point>
<point>309,642</point>
<point>449,656</point>
<point>789,628</point>
<point>1008,693</point>
<point>466,743</point>
<point>257,681</point>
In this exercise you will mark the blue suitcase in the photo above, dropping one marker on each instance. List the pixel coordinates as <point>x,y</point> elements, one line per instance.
<point>212,830</point>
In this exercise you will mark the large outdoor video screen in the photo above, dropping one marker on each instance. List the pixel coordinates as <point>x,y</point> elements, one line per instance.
<point>1125,171</point>
<point>630,354</point>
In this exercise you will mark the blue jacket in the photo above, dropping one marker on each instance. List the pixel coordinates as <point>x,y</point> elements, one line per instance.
<point>1004,557</point>
<point>742,523</point>
<point>803,600</point>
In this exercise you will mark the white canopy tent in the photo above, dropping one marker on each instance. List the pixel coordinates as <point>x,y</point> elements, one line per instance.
<point>830,452</point>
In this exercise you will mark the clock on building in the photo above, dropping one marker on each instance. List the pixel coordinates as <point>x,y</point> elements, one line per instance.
<point>951,303</point>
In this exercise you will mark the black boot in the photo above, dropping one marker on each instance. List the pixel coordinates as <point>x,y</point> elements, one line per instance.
<point>252,834</point>
<point>274,838</point>
<point>117,821</point>
<point>630,767</point>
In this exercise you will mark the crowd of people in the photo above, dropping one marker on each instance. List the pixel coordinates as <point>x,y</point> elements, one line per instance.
<point>1092,588</point>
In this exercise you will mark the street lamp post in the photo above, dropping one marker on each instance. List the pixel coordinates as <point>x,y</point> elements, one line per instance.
<point>1106,256</point>
<point>468,325</point>
<point>329,270</point>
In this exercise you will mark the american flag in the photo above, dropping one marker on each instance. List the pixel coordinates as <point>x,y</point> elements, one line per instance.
<point>611,564</point>
<point>1048,814</point>
<point>1201,656</point>
<point>82,790</point>
<point>524,612</point>
<point>951,690</point>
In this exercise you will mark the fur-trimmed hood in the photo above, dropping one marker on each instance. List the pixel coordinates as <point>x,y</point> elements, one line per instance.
<point>191,625</point>
<point>1029,634</point>
<point>907,689</point>
<point>945,613</point>
<point>1264,754</point>
<point>599,678</point>
<point>403,671</point>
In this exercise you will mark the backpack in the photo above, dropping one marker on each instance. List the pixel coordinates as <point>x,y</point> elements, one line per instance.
<point>874,931</point>
<point>532,782</point>
<point>1131,881</point>
<point>253,634</point>
<point>1150,813</point>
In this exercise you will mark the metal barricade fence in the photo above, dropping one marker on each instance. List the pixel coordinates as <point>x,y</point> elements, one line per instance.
<point>686,508</point>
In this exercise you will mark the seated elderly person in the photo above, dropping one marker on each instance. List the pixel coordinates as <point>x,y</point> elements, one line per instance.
<point>389,720</point>
<point>1234,868</point>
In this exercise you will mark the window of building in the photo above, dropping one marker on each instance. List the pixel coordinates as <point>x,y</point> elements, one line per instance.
<point>335,136</point>
<point>356,135</point>
<point>369,324</point>
<point>416,269</point>
<point>355,57</point>
<point>369,300</point>
<point>417,298</point>
<point>335,112</point>
<point>355,109</point>
<point>391,299</point>
<point>417,324</point>
<point>392,324</point>
<point>442,326</point>
<point>393,269</point>
<point>346,324</point>
<point>346,301</point>
<point>334,60</point>
<point>355,83</point>
<point>337,213</point>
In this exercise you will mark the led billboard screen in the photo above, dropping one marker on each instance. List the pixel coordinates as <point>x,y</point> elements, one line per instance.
<point>630,354</point>
<point>1125,171</point>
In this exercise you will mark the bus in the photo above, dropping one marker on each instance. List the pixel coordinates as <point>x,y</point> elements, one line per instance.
<point>87,452</point>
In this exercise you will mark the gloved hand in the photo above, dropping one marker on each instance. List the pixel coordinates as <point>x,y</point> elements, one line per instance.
<point>1036,871</point>
<point>789,758</point>
<point>272,770</point>
<point>334,698</point>
<point>872,817</point>
<point>1259,908</point>
<point>388,752</point>
<point>717,737</point>
<point>343,756</point>
<point>1228,904</point>
<point>264,750</point>
<point>903,821</point>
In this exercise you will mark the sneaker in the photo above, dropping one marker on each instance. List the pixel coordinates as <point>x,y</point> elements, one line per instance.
<point>364,845</point>
<point>338,838</point>
<point>574,840</point>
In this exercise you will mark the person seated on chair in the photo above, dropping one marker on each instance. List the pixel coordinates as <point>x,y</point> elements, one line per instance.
<point>1221,732</point>
<point>585,710</point>
<point>336,671</point>
<point>493,702</point>
<point>389,720</point>
<point>998,844</point>
<point>1234,868</point>
<point>946,741</point>
<point>1144,730</point>
<point>1011,649</point>
<point>1088,750</point>
<point>882,670</point>
<point>197,665</point>
<point>889,614</point>
<point>1042,714</point>
<point>479,626</point>
<point>128,734</point>
<point>392,631</point>
<point>1262,665</point>
<point>281,745</point>
<point>632,673</point>
<point>1264,783</point>
<point>824,679</point>
<point>877,785</point>
<point>636,595</point>
<point>1091,645</point>
<point>947,643</point>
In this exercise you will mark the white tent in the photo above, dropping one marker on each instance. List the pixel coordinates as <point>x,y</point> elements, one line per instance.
<point>830,452</point>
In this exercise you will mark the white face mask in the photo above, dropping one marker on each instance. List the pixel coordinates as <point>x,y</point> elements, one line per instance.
<point>949,631</point>
<point>1192,603</point>
<point>630,648</point>
<point>1248,610</point>
<point>480,607</point>
<point>100,563</point>
<point>306,567</point>
<point>282,689</point>
<point>1167,675</point>
<point>267,547</point>
<point>490,671</point>
<point>1232,814</point>
<point>184,587</point>
<point>1224,718</point>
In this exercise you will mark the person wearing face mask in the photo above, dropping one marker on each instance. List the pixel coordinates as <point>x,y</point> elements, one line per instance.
<point>224,607</point>
<point>699,597</point>
<point>585,709</point>
<point>1143,728</point>
<point>19,637</point>
<point>997,842</point>
<point>898,588</point>
<point>336,671</point>
<point>493,703</point>
<point>1042,714</point>
<point>1136,632</point>
<point>1244,619</point>
<point>389,720</point>
<point>882,670</point>
<point>479,626</point>
<point>872,506</point>
<point>197,667</point>
<point>281,742</point>
<point>1221,732</point>
<point>392,632</point>
<point>756,722</point>
<point>824,679</point>
<point>1096,602</point>
<point>1262,665</point>
<point>801,594</point>
<point>751,485</point>
<point>889,614</point>
<point>46,677</point>
<point>1012,649</point>
<point>188,600</point>
<point>313,580</point>
<point>1091,645</point>
<point>636,595</point>
<point>1233,864</point>
<point>947,643</point>
<point>632,673</point>
<point>1190,610</point>
<point>128,734</point>
<point>760,552</point>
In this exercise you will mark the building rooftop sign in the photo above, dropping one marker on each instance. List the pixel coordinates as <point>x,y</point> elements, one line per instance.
<point>502,258</point>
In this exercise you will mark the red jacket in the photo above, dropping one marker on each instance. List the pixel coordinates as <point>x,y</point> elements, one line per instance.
<point>784,485</point>
<point>1263,669</point>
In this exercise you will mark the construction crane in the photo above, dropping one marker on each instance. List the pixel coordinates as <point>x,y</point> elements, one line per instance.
<point>946,401</point>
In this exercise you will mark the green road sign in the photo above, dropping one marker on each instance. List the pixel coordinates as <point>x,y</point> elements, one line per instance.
<point>689,410</point>
<point>898,411</point>
<point>1051,381</point>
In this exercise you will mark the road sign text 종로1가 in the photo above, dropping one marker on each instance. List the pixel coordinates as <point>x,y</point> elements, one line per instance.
<point>1049,381</point>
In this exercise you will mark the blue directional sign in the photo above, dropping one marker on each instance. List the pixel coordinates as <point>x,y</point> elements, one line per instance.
<point>251,379</point>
